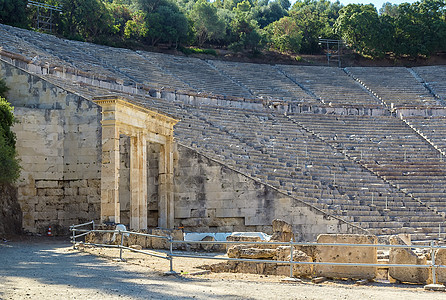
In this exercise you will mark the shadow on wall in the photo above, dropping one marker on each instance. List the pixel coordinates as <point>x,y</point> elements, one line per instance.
<point>10,212</point>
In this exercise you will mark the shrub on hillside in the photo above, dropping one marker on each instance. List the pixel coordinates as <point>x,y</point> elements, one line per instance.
<point>9,164</point>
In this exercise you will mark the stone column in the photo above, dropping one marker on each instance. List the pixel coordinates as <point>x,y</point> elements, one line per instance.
<point>165,185</point>
<point>110,208</point>
<point>138,182</point>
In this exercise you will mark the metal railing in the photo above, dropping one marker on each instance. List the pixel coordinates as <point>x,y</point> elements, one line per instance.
<point>171,254</point>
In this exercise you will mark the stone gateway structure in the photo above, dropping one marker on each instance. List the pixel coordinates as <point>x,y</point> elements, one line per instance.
<point>142,126</point>
<point>153,140</point>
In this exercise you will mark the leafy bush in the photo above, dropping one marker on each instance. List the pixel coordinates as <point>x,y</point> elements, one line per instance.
<point>9,165</point>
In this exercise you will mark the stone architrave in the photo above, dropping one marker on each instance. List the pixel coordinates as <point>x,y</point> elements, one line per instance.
<point>120,116</point>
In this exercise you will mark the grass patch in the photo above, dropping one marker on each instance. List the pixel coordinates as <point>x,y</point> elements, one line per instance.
<point>189,51</point>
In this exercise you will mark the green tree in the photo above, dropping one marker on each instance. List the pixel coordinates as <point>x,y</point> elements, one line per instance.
<point>284,35</point>
<point>3,88</point>
<point>389,9</point>
<point>314,18</point>
<point>164,22</point>
<point>420,28</point>
<point>359,25</point>
<point>207,26</point>
<point>13,12</point>
<point>267,14</point>
<point>9,165</point>
<point>85,19</point>
<point>121,14</point>
<point>167,24</point>
<point>246,30</point>
<point>136,27</point>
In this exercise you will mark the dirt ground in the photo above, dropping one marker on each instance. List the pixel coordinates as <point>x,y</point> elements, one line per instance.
<point>48,268</point>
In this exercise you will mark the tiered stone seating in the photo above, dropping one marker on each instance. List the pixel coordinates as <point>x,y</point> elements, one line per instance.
<point>276,151</point>
<point>12,41</point>
<point>331,85</point>
<point>434,128</point>
<point>198,74</point>
<point>264,81</point>
<point>396,86</point>
<point>138,68</point>
<point>435,77</point>
<point>388,147</point>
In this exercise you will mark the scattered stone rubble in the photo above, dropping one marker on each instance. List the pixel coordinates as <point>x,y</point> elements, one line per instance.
<point>144,241</point>
<point>407,256</point>
<point>319,253</point>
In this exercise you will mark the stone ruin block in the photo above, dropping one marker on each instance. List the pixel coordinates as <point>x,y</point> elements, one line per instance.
<point>160,243</point>
<point>241,251</point>
<point>283,254</point>
<point>98,237</point>
<point>144,241</point>
<point>346,254</point>
<point>409,257</point>
<point>282,231</point>
<point>440,259</point>
<point>233,238</point>
<point>209,247</point>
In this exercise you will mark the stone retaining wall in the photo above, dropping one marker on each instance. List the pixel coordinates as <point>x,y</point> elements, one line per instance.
<point>58,142</point>
<point>211,197</point>
<point>10,214</point>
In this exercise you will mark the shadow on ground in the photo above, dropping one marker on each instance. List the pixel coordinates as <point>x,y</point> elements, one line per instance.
<point>48,262</point>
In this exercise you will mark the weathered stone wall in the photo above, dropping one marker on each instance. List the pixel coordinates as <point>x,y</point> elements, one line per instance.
<point>59,147</point>
<point>10,214</point>
<point>212,197</point>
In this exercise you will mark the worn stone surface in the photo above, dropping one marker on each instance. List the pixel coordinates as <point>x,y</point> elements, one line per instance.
<point>59,147</point>
<point>10,212</point>
<point>407,256</point>
<point>243,251</point>
<point>136,247</point>
<point>161,243</point>
<point>233,238</point>
<point>281,226</point>
<point>440,259</point>
<point>283,254</point>
<point>346,254</point>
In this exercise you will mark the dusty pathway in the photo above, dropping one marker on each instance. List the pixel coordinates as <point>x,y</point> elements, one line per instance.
<point>49,269</point>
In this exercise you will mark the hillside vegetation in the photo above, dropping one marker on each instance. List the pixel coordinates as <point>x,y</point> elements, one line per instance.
<point>9,165</point>
<point>399,31</point>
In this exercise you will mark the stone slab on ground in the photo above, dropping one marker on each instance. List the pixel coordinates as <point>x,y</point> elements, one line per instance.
<point>346,254</point>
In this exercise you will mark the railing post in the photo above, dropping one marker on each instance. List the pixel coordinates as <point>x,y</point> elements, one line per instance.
<point>73,237</point>
<point>291,258</point>
<point>120,247</point>
<point>434,279</point>
<point>92,222</point>
<point>170,254</point>
<point>171,271</point>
